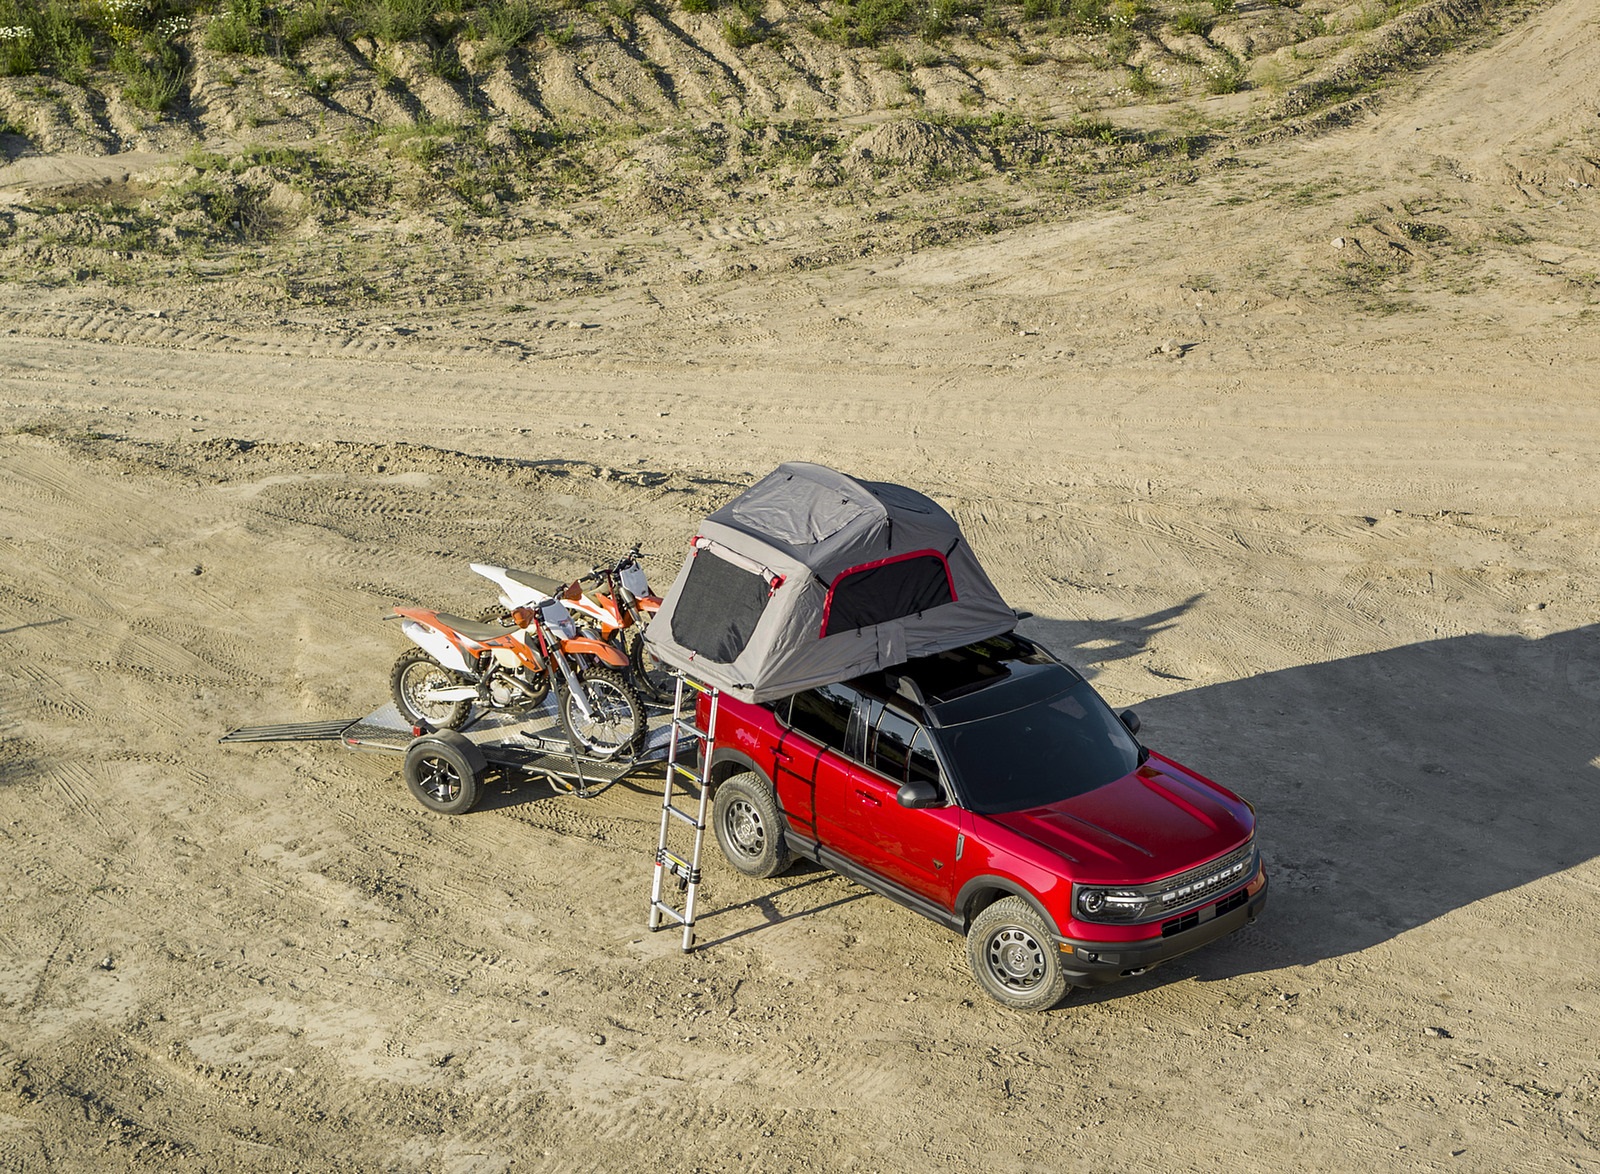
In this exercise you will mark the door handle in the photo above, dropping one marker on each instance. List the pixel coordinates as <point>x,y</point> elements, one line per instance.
<point>870,798</point>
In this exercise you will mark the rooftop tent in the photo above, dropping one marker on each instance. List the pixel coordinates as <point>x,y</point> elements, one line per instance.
<point>811,577</point>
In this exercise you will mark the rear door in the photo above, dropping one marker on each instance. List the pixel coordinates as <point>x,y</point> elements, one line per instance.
<point>808,759</point>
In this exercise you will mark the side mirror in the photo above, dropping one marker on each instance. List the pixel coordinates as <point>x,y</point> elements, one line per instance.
<point>919,793</point>
<point>1131,720</point>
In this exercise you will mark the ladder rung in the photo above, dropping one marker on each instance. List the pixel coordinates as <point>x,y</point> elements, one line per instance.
<point>692,775</point>
<point>686,726</point>
<point>677,866</point>
<point>685,816</point>
<point>671,912</point>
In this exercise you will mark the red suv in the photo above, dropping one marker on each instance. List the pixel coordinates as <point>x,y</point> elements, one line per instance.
<point>992,789</point>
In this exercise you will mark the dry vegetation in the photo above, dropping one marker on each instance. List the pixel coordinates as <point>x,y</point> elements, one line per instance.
<point>411,152</point>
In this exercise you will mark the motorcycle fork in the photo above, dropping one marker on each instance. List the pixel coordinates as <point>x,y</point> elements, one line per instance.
<point>574,683</point>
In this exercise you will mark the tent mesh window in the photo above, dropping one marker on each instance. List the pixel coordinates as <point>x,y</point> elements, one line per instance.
<point>718,608</point>
<point>888,591</point>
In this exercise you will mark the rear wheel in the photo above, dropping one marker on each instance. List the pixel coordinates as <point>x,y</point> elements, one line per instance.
<point>749,826</point>
<point>413,676</point>
<point>616,718</point>
<point>653,678</point>
<point>1014,956</point>
<point>443,771</point>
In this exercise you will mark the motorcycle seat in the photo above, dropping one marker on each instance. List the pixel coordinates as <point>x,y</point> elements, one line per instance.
<point>538,582</point>
<point>473,630</point>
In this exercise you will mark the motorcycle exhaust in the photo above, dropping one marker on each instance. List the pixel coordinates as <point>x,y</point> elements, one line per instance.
<point>453,693</point>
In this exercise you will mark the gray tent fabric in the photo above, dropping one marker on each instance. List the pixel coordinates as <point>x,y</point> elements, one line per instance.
<point>811,577</point>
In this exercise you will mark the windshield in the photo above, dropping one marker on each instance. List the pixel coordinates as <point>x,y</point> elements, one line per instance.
<point>1046,751</point>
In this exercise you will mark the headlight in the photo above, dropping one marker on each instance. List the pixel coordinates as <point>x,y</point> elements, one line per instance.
<point>1112,904</point>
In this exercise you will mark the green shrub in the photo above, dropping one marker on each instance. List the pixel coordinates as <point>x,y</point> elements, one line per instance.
<point>152,69</point>
<point>864,22</point>
<point>394,21</point>
<point>1193,21</point>
<point>739,34</point>
<point>1084,15</point>
<point>505,24</point>
<point>303,21</point>
<point>240,29</point>
<point>1141,83</point>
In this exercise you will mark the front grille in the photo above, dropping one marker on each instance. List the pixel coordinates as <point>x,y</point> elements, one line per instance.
<point>1156,900</point>
<point>1188,888</point>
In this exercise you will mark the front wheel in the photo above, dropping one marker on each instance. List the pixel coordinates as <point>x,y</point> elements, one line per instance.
<point>616,718</point>
<point>416,674</point>
<point>749,826</point>
<point>1014,956</point>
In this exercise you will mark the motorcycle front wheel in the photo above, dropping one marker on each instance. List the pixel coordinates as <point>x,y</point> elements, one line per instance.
<point>411,679</point>
<point>617,715</point>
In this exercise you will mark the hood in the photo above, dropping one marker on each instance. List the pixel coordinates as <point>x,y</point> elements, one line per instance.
<point>1152,823</point>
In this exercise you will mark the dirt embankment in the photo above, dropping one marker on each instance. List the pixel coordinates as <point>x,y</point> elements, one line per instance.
<point>1298,459</point>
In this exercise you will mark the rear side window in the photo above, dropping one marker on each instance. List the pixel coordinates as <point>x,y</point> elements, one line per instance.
<point>823,715</point>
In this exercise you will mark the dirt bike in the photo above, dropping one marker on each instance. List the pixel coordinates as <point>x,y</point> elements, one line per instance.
<point>513,664</point>
<point>616,612</point>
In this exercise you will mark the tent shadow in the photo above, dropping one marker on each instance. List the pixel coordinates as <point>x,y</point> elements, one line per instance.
<point>1087,643</point>
<point>1395,787</point>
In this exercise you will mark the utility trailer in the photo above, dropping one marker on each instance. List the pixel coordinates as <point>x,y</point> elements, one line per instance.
<point>445,769</point>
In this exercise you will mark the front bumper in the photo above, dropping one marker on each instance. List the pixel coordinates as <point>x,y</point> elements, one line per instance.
<point>1087,963</point>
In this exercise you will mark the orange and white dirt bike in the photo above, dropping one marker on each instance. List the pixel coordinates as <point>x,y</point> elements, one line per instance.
<point>616,611</point>
<point>513,664</point>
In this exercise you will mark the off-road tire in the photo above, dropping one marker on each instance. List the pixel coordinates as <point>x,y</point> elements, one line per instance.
<point>653,679</point>
<point>749,826</point>
<point>1015,958</point>
<point>416,671</point>
<point>622,715</point>
<point>443,772</point>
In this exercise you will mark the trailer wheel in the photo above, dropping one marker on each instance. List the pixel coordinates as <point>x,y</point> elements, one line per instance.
<point>443,771</point>
<point>750,827</point>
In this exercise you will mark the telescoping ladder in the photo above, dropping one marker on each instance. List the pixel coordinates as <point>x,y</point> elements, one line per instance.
<point>684,733</point>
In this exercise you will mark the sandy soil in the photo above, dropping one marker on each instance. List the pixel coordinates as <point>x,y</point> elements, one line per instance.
<point>1300,459</point>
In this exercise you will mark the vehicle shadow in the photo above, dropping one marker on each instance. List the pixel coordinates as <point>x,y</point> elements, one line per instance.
<point>766,904</point>
<point>1396,787</point>
<point>1087,643</point>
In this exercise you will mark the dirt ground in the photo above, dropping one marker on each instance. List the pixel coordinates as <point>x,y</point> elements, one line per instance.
<point>1329,526</point>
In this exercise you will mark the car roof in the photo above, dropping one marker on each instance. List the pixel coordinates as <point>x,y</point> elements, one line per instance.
<point>961,684</point>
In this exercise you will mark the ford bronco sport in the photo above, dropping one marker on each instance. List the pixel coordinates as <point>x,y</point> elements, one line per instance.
<point>992,789</point>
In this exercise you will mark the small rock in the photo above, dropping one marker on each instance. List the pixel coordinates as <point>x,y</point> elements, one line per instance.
<point>1338,242</point>
<point>1437,1033</point>
<point>1535,607</point>
<point>197,569</point>
<point>598,1038</point>
<point>108,963</point>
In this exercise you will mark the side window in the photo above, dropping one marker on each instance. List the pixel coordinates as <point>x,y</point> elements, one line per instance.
<point>891,745</point>
<point>823,715</point>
